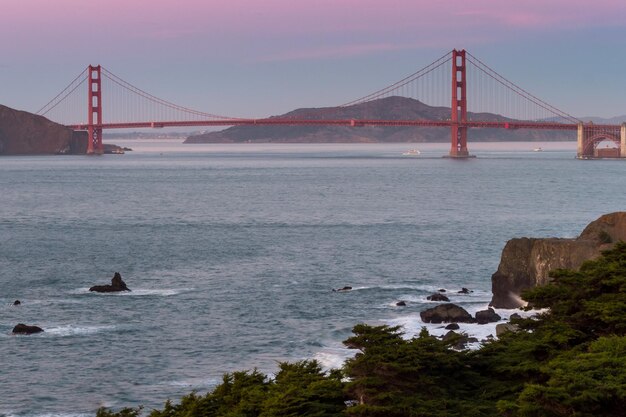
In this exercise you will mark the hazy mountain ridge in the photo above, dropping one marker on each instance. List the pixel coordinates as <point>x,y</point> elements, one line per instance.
<point>392,108</point>
<point>617,120</point>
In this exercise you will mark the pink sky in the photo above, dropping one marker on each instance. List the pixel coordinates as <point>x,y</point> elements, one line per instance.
<point>236,22</point>
<point>239,34</point>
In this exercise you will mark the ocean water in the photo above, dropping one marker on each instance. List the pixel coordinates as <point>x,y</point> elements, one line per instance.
<point>232,251</point>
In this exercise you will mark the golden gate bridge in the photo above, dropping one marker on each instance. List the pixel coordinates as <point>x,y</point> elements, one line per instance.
<point>477,96</point>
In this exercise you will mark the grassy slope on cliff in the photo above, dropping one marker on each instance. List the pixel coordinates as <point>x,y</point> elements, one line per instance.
<point>568,361</point>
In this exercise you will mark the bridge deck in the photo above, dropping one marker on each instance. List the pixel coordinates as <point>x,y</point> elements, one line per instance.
<point>341,122</point>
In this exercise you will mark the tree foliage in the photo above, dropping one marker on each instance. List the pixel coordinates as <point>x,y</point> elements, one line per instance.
<point>568,361</point>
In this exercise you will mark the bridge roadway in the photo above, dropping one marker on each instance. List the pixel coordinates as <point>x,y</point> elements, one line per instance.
<point>339,122</point>
<point>588,135</point>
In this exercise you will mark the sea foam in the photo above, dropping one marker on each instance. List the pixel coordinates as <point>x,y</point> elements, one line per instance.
<point>137,292</point>
<point>74,330</point>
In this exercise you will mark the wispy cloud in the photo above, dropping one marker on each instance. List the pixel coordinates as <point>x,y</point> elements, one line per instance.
<point>331,52</point>
<point>349,50</point>
<point>541,14</point>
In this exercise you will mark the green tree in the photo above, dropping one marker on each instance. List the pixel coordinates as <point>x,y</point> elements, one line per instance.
<point>568,361</point>
<point>422,376</point>
<point>303,389</point>
<point>586,383</point>
<point>239,395</point>
<point>591,300</point>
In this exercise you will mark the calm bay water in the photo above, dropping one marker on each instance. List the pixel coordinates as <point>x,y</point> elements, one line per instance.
<point>232,252</point>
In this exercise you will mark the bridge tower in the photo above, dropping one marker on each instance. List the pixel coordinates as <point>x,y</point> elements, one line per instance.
<point>458,148</point>
<point>94,118</point>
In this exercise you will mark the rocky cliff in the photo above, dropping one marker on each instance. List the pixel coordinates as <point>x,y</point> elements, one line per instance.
<point>24,133</point>
<point>526,262</point>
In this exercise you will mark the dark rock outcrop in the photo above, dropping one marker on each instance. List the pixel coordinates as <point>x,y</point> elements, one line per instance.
<point>346,288</point>
<point>117,284</point>
<point>487,316</point>
<point>25,329</point>
<point>17,303</point>
<point>464,291</point>
<point>502,328</point>
<point>437,297</point>
<point>526,262</point>
<point>23,133</point>
<point>401,304</point>
<point>446,313</point>
<point>452,326</point>
<point>109,148</point>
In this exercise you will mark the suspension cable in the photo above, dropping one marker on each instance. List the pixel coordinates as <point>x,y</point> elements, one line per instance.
<point>478,64</point>
<point>61,93</point>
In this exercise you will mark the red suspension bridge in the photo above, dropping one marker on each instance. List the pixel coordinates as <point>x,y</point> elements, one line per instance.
<point>472,91</point>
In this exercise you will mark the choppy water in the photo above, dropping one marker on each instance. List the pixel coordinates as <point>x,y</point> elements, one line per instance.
<point>232,251</point>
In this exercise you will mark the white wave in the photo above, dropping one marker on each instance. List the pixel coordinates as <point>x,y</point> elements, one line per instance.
<point>394,287</point>
<point>468,301</point>
<point>341,290</point>
<point>137,292</point>
<point>454,294</point>
<point>163,292</point>
<point>82,290</point>
<point>333,358</point>
<point>72,330</point>
<point>195,383</point>
<point>57,414</point>
<point>412,324</point>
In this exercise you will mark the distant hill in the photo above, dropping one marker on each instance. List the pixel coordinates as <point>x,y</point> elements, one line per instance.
<point>158,134</point>
<point>393,108</point>
<point>617,120</point>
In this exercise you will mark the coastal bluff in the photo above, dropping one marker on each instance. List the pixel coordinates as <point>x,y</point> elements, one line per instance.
<point>526,262</point>
<point>24,133</point>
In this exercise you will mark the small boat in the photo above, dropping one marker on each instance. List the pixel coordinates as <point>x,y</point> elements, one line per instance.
<point>538,149</point>
<point>411,152</point>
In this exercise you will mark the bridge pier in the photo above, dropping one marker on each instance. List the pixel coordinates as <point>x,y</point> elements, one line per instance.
<point>580,148</point>
<point>622,142</point>
<point>590,136</point>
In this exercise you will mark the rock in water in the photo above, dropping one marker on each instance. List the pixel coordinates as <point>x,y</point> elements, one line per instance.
<point>502,328</point>
<point>17,302</point>
<point>346,288</point>
<point>117,284</point>
<point>24,329</point>
<point>526,262</point>
<point>446,313</point>
<point>487,316</point>
<point>437,297</point>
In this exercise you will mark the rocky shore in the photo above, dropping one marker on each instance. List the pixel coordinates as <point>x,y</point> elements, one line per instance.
<point>526,262</point>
